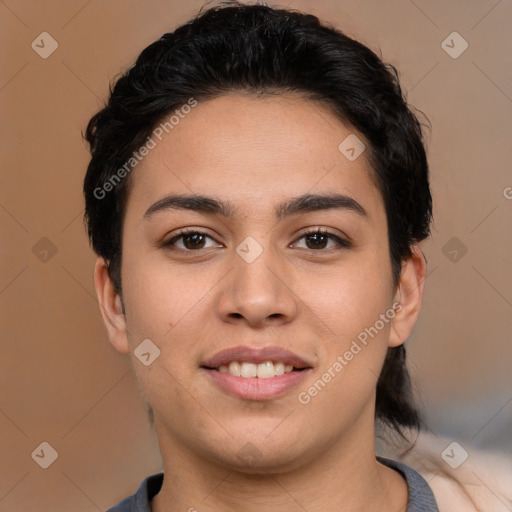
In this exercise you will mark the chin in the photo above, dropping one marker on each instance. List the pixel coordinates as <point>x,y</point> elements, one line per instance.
<point>263,456</point>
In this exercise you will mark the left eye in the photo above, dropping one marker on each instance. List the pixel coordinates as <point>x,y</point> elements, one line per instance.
<point>315,240</point>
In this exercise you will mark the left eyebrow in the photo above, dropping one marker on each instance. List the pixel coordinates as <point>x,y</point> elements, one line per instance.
<point>302,204</point>
<point>317,202</point>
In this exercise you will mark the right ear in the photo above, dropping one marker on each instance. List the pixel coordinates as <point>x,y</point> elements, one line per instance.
<point>111,307</point>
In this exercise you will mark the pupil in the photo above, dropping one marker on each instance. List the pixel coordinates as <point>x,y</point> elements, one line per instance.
<point>316,237</point>
<point>196,239</point>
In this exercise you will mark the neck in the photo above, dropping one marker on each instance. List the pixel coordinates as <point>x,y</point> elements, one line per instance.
<point>345,477</point>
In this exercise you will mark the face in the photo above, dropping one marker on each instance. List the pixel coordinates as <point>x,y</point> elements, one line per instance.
<point>258,276</point>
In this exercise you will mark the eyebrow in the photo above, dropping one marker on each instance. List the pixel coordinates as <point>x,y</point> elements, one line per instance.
<point>302,204</point>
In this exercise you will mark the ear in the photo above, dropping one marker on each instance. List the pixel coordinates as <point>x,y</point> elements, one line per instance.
<point>408,295</point>
<point>111,307</point>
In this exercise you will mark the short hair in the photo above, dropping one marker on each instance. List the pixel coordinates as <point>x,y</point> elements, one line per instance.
<point>262,50</point>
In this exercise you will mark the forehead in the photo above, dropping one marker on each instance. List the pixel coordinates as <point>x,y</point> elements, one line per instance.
<point>253,151</point>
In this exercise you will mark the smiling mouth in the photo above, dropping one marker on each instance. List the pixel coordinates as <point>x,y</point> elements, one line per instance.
<point>265,370</point>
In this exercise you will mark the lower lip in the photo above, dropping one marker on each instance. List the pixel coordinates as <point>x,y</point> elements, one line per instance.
<point>254,388</point>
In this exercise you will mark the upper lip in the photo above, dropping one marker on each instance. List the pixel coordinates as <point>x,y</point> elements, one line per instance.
<point>256,355</point>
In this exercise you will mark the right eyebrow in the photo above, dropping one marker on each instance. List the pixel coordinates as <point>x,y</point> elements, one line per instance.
<point>191,202</point>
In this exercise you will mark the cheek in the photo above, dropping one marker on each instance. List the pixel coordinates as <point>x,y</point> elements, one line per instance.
<point>353,306</point>
<point>352,297</point>
<point>357,311</point>
<point>171,309</point>
<point>158,297</point>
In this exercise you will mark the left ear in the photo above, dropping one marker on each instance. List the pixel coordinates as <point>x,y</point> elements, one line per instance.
<point>408,295</point>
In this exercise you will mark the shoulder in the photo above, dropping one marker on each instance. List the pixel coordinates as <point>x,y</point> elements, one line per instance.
<point>421,497</point>
<point>462,478</point>
<point>139,501</point>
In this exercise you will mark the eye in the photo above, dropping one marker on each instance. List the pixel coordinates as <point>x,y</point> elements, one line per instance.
<point>319,239</point>
<point>190,240</point>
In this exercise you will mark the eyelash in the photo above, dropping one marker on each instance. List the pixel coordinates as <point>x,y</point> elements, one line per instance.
<point>342,243</point>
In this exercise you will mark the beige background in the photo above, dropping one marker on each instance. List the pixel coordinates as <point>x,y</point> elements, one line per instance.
<point>61,381</point>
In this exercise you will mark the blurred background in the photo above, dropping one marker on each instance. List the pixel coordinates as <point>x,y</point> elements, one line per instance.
<point>62,383</point>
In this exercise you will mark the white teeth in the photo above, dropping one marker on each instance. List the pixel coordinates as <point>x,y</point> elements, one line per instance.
<point>248,370</point>
<point>264,370</point>
<point>234,369</point>
<point>279,368</point>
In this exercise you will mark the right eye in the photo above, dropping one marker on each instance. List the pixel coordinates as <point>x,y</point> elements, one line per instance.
<point>189,240</point>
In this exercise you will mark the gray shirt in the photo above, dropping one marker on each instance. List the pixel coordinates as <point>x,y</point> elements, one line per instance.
<point>421,498</point>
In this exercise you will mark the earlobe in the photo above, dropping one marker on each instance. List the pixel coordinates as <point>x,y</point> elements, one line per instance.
<point>409,294</point>
<point>111,307</point>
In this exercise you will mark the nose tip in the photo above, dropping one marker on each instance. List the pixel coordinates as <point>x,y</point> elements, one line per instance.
<point>256,294</point>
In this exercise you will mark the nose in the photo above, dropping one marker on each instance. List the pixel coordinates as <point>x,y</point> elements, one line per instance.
<point>258,294</point>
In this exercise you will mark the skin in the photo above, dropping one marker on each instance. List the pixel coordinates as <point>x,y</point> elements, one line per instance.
<point>256,153</point>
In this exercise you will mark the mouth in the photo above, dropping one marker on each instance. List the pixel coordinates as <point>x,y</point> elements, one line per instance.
<point>256,373</point>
